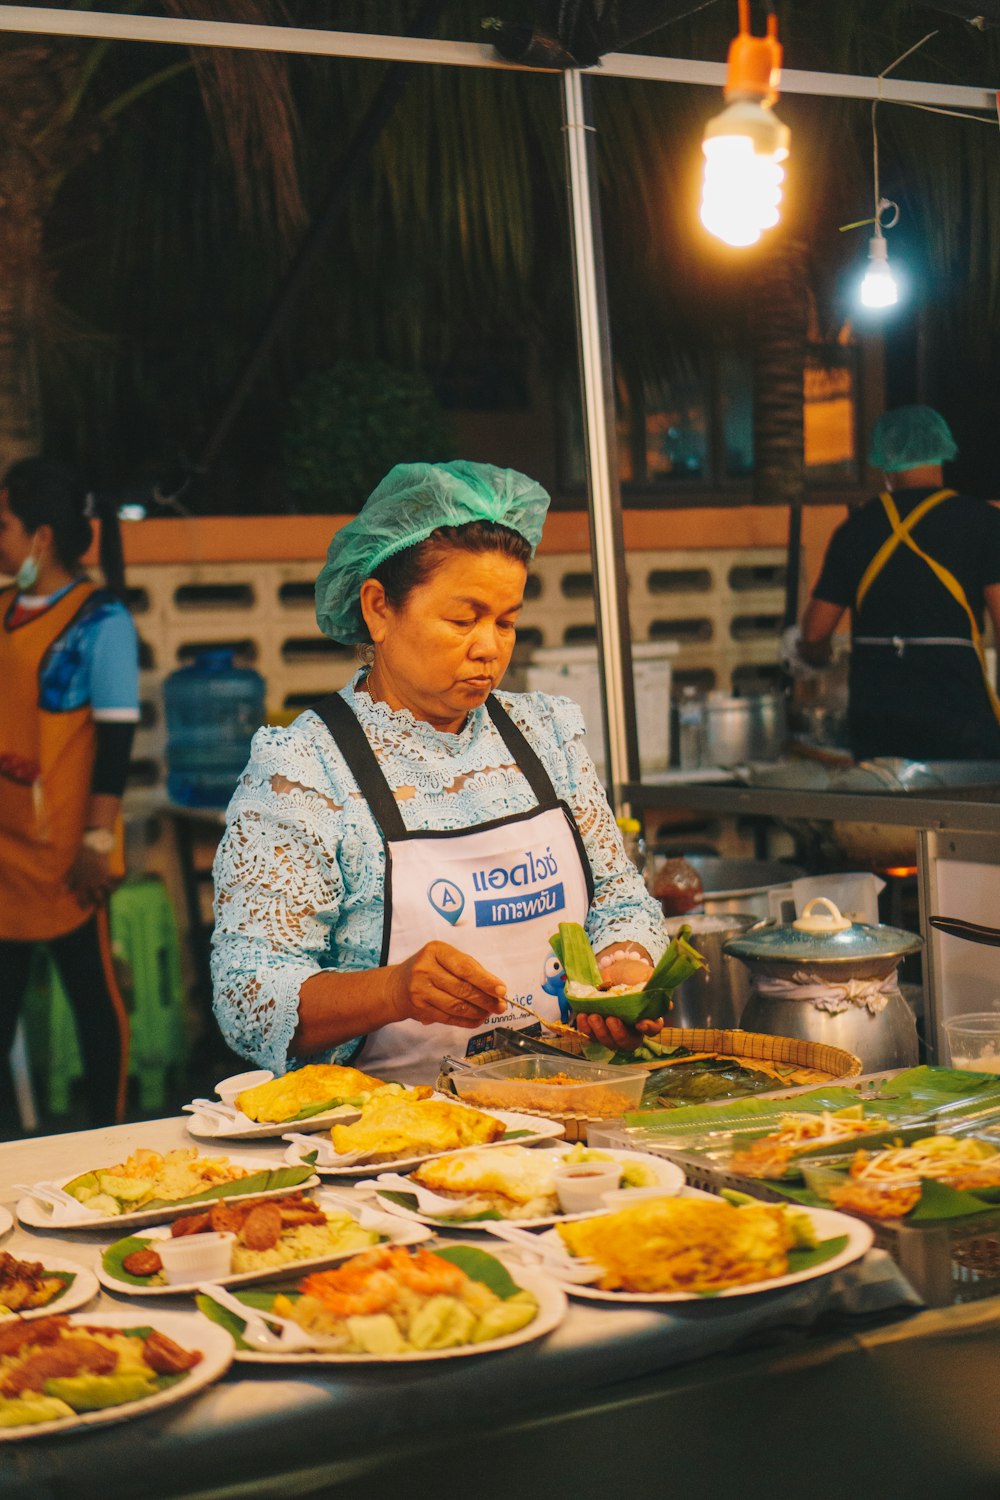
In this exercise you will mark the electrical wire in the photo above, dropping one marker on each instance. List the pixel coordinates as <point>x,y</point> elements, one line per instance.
<point>875,104</point>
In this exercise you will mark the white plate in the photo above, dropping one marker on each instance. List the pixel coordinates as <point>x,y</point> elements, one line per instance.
<point>390,1226</point>
<point>667,1174</point>
<point>208,1128</point>
<point>552,1309</point>
<point>6,1220</point>
<point>184,1328</point>
<point>82,1289</point>
<point>537,1130</point>
<point>828,1225</point>
<point>35,1215</point>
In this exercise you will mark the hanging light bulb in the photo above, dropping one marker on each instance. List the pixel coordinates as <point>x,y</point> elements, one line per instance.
<point>878,286</point>
<point>745,145</point>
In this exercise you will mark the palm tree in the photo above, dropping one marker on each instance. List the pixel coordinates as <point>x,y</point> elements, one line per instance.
<point>64,100</point>
<point>457,236</point>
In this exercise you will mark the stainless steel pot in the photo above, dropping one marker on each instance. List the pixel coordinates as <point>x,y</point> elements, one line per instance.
<point>737,730</point>
<point>714,996</point>
<point>836,953</point>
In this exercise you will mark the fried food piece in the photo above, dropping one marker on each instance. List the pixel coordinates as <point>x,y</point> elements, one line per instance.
<point>142,1263</point>
<point>71,1356</point>
<point>683,1245</point>
<point>227,1218</point>
<point>13,1336</point>
<point>262,1227</point>
<point>373,1281</point>
<point>190,1224</point>
<point>25,1284</point>
<point>283,1098</point>
<point>167,1358</point>
<point>395,1125</point>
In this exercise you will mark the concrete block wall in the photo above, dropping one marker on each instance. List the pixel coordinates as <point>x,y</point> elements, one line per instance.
<point>723,607</point>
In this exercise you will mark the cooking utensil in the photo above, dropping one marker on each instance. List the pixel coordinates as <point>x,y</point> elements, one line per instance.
<point>549,1025</point>
<point>972,932</point>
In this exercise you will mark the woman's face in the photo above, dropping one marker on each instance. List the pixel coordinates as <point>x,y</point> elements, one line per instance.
<point>444,651</point>
<point>15,541</point>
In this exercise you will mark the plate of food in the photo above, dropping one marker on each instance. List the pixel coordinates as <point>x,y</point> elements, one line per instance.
<point>308,1098</point>
<point>34,1288</point>
<point>513,1183</point>
<point>685,1249</point>
<point>61,1374</point>
<point>407,1131</point>
<point>932,1178</point>
<point>397,1306</point>
<point>799,1135</point>
<point>265,1238</point>
<point>150,1185</point>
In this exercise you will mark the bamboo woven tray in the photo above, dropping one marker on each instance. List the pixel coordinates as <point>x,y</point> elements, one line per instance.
<point>810,1062</point>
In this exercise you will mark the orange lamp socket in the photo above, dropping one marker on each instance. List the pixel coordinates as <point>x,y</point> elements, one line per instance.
<point>754,64</point>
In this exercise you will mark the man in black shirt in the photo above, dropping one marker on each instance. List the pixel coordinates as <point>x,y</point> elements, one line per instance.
<point>916,567</point>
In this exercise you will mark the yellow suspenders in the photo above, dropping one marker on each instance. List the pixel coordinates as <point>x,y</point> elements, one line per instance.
<point>902,535</point>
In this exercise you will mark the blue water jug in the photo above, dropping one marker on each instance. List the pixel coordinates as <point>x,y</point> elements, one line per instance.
<point>213,708</point>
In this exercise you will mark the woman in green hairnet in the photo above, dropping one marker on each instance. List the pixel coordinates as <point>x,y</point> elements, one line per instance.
<point>916,567</point>
<point>395,862</point>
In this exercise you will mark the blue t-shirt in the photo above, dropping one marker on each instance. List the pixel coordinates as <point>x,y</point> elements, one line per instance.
<point>94,663</point>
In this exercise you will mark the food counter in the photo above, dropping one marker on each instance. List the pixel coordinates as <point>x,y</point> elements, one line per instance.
<point>957,858</point>
<point>713,1394</point>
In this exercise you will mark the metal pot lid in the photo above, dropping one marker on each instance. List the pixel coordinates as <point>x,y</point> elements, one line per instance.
<point>822,935</point>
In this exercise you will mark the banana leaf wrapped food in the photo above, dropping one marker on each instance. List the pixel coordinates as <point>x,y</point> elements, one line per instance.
<point>588,994</point>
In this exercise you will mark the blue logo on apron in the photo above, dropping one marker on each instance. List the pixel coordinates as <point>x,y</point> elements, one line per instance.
<point>447,899</point>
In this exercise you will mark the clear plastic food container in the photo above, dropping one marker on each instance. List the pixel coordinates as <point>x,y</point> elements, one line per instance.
<point>551,1085</point>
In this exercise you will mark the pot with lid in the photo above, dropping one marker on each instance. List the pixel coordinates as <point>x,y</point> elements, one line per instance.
<point>828,979</point>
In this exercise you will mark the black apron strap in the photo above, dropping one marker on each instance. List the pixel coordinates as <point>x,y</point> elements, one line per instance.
<point>352,742</point>
<point>525,759</point>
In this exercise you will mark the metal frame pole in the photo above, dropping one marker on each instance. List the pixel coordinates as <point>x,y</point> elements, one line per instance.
<point>607,543</point>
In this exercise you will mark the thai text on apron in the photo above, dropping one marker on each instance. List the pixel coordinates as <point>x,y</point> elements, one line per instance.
<point>496,891</point>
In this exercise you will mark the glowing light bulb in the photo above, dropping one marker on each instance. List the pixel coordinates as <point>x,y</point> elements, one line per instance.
<point>744,147</point>
<point>878,288</point>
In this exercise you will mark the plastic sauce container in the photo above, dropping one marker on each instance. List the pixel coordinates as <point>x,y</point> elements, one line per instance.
<point>238,1083</point>
<point>581,1185</point>
<point>196,1257</point>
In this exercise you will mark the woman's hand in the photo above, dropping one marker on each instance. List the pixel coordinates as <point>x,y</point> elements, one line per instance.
<point>620,963</point>
<point>441,984</point>
<point>90,878</point>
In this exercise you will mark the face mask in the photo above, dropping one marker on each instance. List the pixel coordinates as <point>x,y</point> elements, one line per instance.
<point>27,574</point>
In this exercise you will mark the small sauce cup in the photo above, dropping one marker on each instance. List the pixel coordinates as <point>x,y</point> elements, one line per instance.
<point>238,1083</point>
<point>196,1257</point>
<point>581,1185</point>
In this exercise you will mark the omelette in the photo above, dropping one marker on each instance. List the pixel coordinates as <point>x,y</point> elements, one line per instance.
<point>684,1245</point>
<point>394,1125</point>
<point>515,1182</point>
<point>319,1083</point>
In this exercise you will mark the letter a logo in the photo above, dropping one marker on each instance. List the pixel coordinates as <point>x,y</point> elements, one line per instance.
<point>447,899</point>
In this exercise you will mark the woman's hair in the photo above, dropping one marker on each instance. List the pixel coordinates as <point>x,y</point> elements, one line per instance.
<point>42,493</point>
<point>405,571</point>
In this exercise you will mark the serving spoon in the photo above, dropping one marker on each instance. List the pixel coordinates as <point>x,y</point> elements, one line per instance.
<point>972,932</point>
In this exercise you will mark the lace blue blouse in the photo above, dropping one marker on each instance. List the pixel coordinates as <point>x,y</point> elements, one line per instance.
<point>299,874</point>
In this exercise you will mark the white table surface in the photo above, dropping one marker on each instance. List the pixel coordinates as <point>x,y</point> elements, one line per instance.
<point>256,1416</point>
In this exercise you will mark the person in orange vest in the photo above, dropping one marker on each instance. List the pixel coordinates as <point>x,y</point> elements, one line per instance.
<point>68,711</point>
<point>918,567</point>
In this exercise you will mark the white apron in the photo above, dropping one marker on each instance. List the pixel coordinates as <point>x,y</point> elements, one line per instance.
<point>497,892</point>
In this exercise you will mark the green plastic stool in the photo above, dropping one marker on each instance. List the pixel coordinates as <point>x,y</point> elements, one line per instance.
<point>144,938</point>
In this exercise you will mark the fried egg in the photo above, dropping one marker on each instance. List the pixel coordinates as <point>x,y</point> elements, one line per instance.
<point>511,1178</point>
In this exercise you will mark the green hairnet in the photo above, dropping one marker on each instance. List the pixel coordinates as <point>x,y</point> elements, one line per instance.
<point>909,437</point>
<point>412,501</point>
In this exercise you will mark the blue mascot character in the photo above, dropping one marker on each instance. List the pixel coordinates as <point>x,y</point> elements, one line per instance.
<point>554,983</point>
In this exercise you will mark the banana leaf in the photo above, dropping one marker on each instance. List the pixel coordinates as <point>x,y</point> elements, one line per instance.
<point>572,948</point>
<point>257,1182</point>
<point>115,1254</point>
